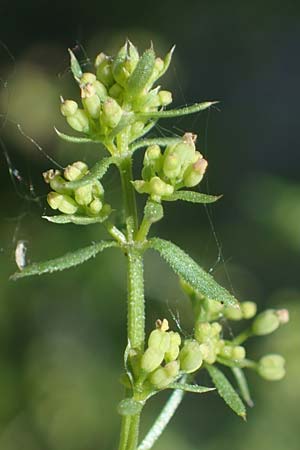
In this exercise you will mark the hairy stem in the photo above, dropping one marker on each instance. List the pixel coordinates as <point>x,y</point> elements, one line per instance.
<point>162,420</point>
<point>135,287</point>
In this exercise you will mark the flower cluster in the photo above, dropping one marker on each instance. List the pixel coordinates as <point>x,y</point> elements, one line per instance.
<point>86,199</point>
<point>168,356</point>
<point>180,166</point>
<point>117,94</point>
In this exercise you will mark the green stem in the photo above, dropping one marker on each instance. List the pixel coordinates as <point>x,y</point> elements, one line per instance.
<point>125,168</point>
<point>162,420</point>
<point>135,288</point>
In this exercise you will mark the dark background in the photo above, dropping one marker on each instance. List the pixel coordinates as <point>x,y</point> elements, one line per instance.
<point>62,336</point>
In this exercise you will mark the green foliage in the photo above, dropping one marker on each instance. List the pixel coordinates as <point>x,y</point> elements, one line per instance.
<point>67,261</point>
<point>226,391</point>
<point>188,269</point>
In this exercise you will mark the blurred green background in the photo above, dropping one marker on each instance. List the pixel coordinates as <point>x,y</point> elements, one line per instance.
<point>62,336</point>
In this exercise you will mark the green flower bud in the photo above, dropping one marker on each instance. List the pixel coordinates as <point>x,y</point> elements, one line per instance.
<point>172,166</point>
<point>58,184</point>
<point>111,113</point>
<point>79,121</point>
<point>83,195</point>
<point>215,329</point>
<point>248,309</point>
<point>184,151</point>
<point>158,188</point>
<point>202,331</point>
<point>163,376</point>
<point>211,350</point>
<point>68,108</point>
<point>95,206</point>
<point>88,77</point>
<point>104,71</point>
<point>100,90</point>
<point>93,105</point>
<point>151,359</point>
<point>271,367</point>
<point>98,190</point>
<point>152,161</point>
<point>141,186</point>
<point>190,357</point>
<point>165,98</point>
<point>226,351</point>
<point>195,172</point>
<point>265,323</point>
<point>64,203</point>
<point>173,350</point>
<point>238,353</point>
<point>75,171</point>
<point>116,91</point>
<point>159,339</point>
<point>233,313</point>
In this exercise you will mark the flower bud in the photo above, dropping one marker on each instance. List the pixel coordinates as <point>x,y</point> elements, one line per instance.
<point>152,161</point>
<point>248,309</point>
<point>79,121</point>
<point>190,356</point>
<point>172,166</point>
<point>233,313</point>
<point>64,203</point>
<point>68,108</point>
<point>93,105</point>
<point>75,171</point>
<point>97,190</point>
<point>165,98</point>
<point>238,353</point>
<point>104,70</point>
<point>58,184</point>
<point>95,206</point>
<point>202,331</point>
<point>226,351</point>
<point>87,77</point>
<point>265,323</point>
<point>116,91</point>
<point>100,90</point>
<point>173,350</point>
<point>195,172</point>
<point>158,188</point>
<point>151,359</point>
<point>163,376</point>
<point>271,367</point>
<point>159,339</point>
<point>111,113</point>
<point>83,195</point>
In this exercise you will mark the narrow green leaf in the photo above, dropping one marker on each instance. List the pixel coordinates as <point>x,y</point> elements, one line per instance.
<point>141,74</point>
<point>226,391</point>
<point>75,66</point>
<point>164,114</point>
<point>77,220</point>
<point>159,141</point>
<point>167,61</point>
<point>192,196</point>
<point>70,259</point>
<point>96,173</point>
<point>190,387</point>
<point>75,139</point>
<point>242,385</point>
<point>194,275</point>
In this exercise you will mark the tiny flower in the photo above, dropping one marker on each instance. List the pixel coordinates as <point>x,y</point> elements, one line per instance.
<point>271,367</point>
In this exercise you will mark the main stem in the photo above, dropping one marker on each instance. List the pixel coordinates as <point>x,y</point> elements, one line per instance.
<point>135,287</point>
